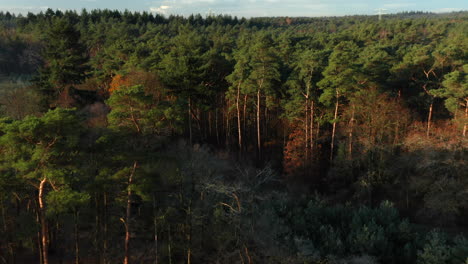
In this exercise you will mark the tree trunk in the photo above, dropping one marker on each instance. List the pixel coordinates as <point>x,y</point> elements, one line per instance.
<point>350,143</point>
<point>169,248</point>
<point>228,127</point>
<point>239,129</point>
<point>306,121</point>
<point>77,245</point>
<point>128,215</point>
<point>190,121</point>
<point>466,118</point>
<point>265,124</point>
<point>97,229</point>
<point>44,231</point>
<point>334,128</point>
<point>317,134</point>
<point>189,221</point>
<point>104,219</point>
<point>39,236</point>
<point>210,132</point>
<point>198,118</point>
<point>155,224</point>
<point>10,253</point>
<point>245,113</point>
<point>312,109</point>
<point>429,118</point>
<point>216,125</point>
<point>259,136</point>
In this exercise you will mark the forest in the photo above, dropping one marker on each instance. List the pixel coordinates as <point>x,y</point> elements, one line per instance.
<point>129,137</point>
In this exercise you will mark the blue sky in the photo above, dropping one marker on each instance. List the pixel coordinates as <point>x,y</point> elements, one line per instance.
<point>246,8</point>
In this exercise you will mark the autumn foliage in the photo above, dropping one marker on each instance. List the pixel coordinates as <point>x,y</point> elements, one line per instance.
<point>294,158</point>
<point>117,82</point>
<point>149,80</point>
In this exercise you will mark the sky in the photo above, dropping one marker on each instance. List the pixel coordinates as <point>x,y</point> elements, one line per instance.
<point>242,8</point>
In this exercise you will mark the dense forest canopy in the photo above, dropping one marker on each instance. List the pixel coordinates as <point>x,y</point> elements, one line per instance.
<point>138,138</point>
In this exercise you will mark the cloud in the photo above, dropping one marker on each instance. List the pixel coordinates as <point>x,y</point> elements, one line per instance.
<point>163,9</point>
<point>23,9</point>
<point>448,10</point>
<point>196,1</point>
<point>398,5</point>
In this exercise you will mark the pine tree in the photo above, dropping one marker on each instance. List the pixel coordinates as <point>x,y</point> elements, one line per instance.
<point>65,59</point>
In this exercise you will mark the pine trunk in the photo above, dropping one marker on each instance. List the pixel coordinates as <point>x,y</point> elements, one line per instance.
<point>429,119</point>
<point>39,236</point>
<point>334,129</point>
<point>239,129</point>
<point>306,129</point>
<point>209,124</point>
<point>245,113</point>
<point>350,143</point>
<point>44,231</point>
<point>259,136</point>
<point>155,224</point>
<point>10,253</point>
<point>216,125</point>
<point>77,245</point>
<point>129,214</point>
<point>104,219</point>
<point>190,121</point>
<point>466,118</point>
<point>312,109</point>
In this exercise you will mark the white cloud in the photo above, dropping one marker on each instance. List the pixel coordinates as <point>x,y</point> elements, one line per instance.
<point>163,9</point>
<point>23,9</point>
<point>399,5</point>
<point>196,1</point>
<point>447,10</point>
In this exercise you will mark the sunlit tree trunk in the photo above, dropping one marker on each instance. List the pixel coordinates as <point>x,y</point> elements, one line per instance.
<point>429,119</point>
<point>306,128</point>
<point>129,214</point>
<point>44,231</point>
<point>334,127</point>
<point>39,232</point>
<point>466,118</point>
<point>239,129</point>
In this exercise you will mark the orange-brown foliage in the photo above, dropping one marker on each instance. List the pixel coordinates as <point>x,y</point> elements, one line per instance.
<point>117,82</point>
<point>149,80</point>
<point>294,152</point>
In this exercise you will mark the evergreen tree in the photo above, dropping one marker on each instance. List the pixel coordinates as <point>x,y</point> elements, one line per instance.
<point>65,59</point>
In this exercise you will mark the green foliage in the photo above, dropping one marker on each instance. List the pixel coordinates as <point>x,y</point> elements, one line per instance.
<point>340,76</point>
<point>343,230</point>
<point>454,90</point>
<point>134,109</point>
<point>65,58</point>
<point>146,76</point>
<point>65,200</point>
<point>440,249</point>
